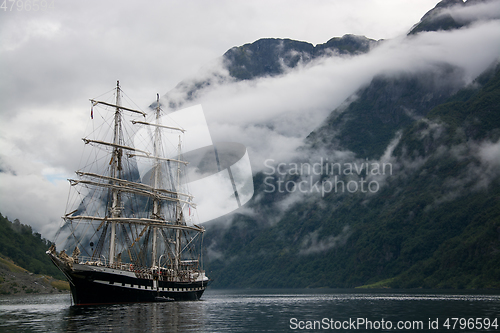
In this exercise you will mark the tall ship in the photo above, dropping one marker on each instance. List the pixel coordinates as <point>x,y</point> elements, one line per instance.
<point>128,234</point>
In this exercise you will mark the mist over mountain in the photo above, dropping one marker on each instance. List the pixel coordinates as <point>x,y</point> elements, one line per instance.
<point>262,58</point>
<point>433,223</point>
<point>375,162</point>
<point>453,14</point>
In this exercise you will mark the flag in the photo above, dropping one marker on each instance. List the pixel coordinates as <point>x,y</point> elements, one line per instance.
<point>92,112</point>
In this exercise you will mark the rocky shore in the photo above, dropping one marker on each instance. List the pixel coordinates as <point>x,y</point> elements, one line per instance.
<point>15,280</point>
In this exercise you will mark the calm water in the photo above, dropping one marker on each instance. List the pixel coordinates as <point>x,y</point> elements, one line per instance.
<point>257,311</point>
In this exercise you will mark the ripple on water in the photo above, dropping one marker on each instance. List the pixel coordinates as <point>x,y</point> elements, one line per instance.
<point>237,311</point>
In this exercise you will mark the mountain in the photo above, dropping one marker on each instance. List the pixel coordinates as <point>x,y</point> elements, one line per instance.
<point>435,224</point>
<point>272,56</point>
<point>440,18</point>
<point>398,187</point>
<point>386,105</point>
<point>262,58</point>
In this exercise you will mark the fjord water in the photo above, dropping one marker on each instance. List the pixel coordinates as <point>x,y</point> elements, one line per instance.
<point>254,311</point>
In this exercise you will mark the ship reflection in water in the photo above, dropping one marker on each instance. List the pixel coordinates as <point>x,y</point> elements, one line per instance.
<point>138,317</point>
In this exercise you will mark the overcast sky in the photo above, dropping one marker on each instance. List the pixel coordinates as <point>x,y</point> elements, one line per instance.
<point>53,61</point>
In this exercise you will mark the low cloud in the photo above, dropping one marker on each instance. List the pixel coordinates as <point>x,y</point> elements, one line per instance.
<point>34,200</point>
<point>312,243</point>
<point>273,115</point>
<point>479,11</point>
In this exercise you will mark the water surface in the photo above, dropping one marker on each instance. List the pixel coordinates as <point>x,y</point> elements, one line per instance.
<point>259,311</point>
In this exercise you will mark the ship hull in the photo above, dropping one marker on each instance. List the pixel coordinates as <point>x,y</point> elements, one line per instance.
<point>100,285</point>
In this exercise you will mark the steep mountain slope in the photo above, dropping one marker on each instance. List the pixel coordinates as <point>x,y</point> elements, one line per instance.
<point>388,104</point>
<point>467,149</point>
<point>435,222</point>
<point>427,142</point>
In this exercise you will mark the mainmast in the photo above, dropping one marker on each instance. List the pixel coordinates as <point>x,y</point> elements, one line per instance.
<point>115,169</point>
<point>156,176</point>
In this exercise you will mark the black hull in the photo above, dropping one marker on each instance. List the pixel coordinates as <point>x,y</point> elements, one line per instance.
<point>90,287</point>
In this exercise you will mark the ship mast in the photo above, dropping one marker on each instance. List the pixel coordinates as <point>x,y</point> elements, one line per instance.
<point>178,212</point>
<point>115,169</point>
<point>156,176</point>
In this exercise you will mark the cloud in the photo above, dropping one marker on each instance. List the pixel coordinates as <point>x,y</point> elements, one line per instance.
<point>53,61</point>
<point>479,11</point>
<point>480,161</point>
<point>273,115</point>
<point>33,199</point>
<point>489,153</point>
<point>312,244</point>
<point>284,119</point>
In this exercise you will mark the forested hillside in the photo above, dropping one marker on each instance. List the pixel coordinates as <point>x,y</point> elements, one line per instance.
<point>26,248</point>
<point>432,220</point>
<point>434,224</point>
